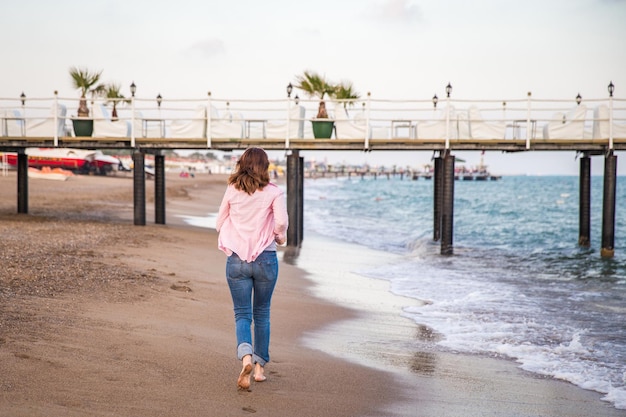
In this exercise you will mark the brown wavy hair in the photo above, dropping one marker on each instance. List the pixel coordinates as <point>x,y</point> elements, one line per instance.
<point>251,172</point>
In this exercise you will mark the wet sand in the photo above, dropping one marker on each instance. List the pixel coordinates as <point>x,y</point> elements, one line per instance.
<point>99,317</point>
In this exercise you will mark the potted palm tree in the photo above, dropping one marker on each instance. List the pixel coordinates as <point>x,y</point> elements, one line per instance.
<point>85,81</point>
<point>113,95</point>
<point>316,85</point>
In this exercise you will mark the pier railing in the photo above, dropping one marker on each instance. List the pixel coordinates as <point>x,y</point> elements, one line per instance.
<point>371,123</point>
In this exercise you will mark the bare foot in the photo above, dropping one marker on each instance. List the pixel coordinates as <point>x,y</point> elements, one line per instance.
<point>259,373</point>
<point>243,382</point>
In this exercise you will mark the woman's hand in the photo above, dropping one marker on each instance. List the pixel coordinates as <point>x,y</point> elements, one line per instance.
<point>279,239</point>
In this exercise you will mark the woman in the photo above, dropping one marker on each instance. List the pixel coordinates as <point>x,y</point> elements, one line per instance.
<point>252,219</point>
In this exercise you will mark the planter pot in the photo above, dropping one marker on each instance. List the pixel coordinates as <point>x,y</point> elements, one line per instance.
<point>323,129</point>
<point>83,127</point>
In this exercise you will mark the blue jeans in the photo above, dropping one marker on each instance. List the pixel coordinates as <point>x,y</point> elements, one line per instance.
<point>251,287</point>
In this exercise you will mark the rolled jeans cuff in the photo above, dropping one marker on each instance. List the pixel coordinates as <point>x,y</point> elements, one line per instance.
<point>243,350</point>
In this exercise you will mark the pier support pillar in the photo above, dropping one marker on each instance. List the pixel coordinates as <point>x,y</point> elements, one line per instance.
<point>22,181</point>
<point>584,205</point>
<point>300,200</point>
<point>159,188</point>
<point>437,198</point>
<point>447,207</point>
<point>139,188</point>
<point>608,206</point>
<point>295,207</point>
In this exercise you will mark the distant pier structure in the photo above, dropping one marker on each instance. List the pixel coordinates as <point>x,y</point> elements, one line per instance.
<point>588,128</point>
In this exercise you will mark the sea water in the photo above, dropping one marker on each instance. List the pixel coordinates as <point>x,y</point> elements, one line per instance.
<point>517,286</point>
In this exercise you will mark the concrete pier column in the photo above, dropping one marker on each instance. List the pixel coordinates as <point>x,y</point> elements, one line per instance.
<point>437,198</point>
<point>294,200</point>
<point>447,207</point>
<point>608,206</point>
<point>22,182</point>
<point>139,188</point>
<point>300,200</point>
<point>584,205</point>
<point>159,188</point>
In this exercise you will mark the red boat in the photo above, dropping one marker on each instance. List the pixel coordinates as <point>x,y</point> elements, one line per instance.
<point>76,160</point>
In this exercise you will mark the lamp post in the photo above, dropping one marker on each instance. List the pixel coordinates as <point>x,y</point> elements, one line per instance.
<point>448,91</point>
<point>289,90</point>
<point>133,90</point>
<point>23,100</point>
<point>578,99</point>
<point>611,88</point>
<point>159,99</point>
<point>435,100</point>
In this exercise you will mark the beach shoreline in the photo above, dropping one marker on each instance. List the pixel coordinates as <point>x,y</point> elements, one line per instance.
<point>145,326</point>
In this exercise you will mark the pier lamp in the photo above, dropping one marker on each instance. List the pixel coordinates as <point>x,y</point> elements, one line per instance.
<point>23,99</point>
<point>448,91</point>
<point>297,100</point>
<point>159,100</point>
<point>611,89</point>
<point>289,90</point>
<point>578,99</point>
<point>435,100</point>
<point>133,90</point>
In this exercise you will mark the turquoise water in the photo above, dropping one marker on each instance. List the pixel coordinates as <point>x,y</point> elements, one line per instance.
<point>518,284</point>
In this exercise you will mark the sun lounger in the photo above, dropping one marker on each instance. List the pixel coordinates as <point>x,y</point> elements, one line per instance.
<point>481,129</point>
<point>105,127</point>
<point>437,129</point>
<point>190,128</point>
<point>230,126</point>
<point>601,124</point>
<point>567,126</point>
<point>48,127</point>
<point>278,130</point>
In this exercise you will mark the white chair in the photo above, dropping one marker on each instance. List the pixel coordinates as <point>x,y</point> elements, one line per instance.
<point>12,123</point>
<point>481,129</point>
<point>567,126</point>
<point>601,124</point>
<point>346,128</point>
<point>437,129</point>
<point>190,128</point>
<point>278,130</point>
<point>47,127</point>
<point>104,127</point>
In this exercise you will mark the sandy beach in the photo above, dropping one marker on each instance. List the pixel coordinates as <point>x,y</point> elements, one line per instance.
<point>99,317</point>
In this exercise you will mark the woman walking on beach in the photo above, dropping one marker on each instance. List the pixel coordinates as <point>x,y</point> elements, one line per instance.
<point>252,219</point>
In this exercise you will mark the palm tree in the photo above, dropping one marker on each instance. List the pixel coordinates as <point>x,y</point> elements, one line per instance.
<point>345,91</point>
<point>84,80</point>
<point>316,85</point>
<point>112,93</point>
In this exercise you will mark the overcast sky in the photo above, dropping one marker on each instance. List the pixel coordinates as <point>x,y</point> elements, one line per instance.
<point>397,49</point>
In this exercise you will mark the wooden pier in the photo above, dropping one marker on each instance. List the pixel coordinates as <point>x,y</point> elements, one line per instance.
<point>517,131</point>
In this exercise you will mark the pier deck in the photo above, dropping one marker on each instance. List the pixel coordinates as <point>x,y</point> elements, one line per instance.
<point>395,144</point>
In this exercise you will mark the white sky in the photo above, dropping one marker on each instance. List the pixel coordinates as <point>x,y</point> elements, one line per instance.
<point>403,49</point>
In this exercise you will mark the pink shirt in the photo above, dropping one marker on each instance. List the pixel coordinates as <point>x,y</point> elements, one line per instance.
<point>248,224</point>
